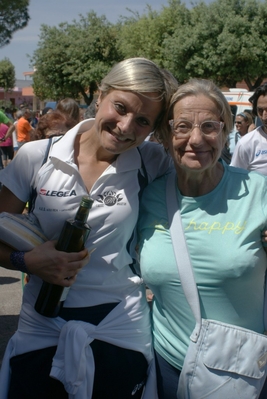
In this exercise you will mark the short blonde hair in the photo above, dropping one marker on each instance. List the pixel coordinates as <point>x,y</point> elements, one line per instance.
<point>142,76</point>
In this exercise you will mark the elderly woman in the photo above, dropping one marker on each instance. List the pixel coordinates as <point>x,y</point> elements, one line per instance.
<point>223,211</point>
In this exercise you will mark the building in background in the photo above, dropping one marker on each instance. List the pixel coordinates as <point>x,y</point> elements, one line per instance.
<point>16,96</point>
<point>23,95</point>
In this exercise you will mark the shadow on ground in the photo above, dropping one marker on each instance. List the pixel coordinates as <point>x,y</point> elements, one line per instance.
<point>8,325</point>
<point>8,280</point>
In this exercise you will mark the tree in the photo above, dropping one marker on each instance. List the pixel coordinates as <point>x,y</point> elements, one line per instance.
<point>14,15</point>
<point>7,75</point>
<point>240,51</point>
<point>143,36</point>
<point>70,60</point>
<point>225,41</point>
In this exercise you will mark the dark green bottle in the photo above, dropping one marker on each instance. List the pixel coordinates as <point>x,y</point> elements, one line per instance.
<point>72,239</point>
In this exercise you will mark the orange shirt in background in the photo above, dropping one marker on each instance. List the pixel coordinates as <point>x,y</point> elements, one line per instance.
<point>23,128</point>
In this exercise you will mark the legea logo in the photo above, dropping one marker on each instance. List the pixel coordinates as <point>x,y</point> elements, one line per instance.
<point>53,193</point>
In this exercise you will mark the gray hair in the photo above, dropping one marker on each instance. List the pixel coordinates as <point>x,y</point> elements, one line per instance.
<point>26,110</point>
<point>194,87</point>
<point>19,114</point>
<point>141,76</point>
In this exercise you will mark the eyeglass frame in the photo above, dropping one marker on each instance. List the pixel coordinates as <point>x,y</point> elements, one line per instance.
<point>171,123</point>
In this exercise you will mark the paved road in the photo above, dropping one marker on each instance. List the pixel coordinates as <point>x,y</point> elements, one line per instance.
<point>10,302</point>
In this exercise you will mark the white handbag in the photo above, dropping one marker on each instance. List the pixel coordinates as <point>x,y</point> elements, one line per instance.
<point>223,361</point>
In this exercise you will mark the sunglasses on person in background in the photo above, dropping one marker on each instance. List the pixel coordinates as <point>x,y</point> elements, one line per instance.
<point>182,129</point>
<point>260,110</point>
<point>238,123</point>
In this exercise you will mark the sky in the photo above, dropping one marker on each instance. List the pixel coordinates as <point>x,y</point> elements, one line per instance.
<point>53,12</point>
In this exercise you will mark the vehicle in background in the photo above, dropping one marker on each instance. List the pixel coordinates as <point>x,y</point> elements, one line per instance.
<point>238,100</point>
<point>51,104</point>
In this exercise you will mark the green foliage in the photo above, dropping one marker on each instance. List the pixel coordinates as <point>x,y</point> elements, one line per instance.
<point>7,75</point>
<point>72,58</point>
<point>143,36</point>
<point>224,41</point>
<point>13,16</point>
<point>6,104</point>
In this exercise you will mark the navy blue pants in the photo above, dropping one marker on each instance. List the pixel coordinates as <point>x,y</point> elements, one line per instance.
<point>167,378</point>
<point>119,373</point>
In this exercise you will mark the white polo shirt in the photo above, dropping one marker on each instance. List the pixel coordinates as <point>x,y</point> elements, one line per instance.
<point>107,277</point>
<point>251,151</point>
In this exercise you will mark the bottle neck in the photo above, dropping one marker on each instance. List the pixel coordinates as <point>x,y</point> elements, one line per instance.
<point>82,214</point>
<point>83,210</point>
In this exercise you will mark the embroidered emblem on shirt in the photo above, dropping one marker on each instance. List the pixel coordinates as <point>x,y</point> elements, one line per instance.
<point>110,198</point>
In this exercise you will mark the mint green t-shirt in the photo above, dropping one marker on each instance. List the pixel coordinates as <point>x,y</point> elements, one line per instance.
<point>223,233</point>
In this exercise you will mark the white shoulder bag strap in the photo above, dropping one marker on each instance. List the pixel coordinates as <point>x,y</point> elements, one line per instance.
<point>183,260</point>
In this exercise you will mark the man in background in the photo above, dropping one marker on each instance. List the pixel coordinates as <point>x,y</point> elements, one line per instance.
<point>24,129</point>
<point>251,150</point>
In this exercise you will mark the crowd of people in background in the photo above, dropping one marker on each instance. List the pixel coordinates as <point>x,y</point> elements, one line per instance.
<point>18,127</point>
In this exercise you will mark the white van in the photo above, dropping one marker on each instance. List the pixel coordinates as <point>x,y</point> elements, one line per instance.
<point>238,100</point>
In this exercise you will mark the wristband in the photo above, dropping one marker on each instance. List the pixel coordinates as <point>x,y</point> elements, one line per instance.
<point>17,260</point>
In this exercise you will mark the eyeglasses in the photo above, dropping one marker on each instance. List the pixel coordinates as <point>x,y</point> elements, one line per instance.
<point>238,123</point>
<point>184,128</point>
<point>260,110</point>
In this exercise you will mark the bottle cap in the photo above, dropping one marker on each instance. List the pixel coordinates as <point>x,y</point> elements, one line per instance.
<point>87,201</point>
